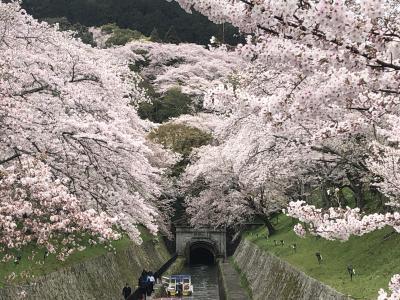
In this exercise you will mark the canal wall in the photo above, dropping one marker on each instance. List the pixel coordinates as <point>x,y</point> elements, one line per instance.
<point>229,283</point>
<point>271,278</point>
<point>101,277</point>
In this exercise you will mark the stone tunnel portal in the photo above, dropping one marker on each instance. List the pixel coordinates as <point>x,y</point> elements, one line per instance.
<point>201,246</point>
<point>201,253</point>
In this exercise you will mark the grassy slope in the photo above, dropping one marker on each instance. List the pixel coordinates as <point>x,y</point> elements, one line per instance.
<point>375,257</point>
<point>37,268</point>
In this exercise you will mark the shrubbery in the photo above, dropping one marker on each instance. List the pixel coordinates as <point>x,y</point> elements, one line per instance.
<point>180,138</point>
<point>120,36</point>
<point>171,105</point>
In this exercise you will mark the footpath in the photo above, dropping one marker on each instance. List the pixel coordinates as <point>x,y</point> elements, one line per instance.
<point>229,283</point>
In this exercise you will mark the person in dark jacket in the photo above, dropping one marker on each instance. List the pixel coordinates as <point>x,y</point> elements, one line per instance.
<point>142,287</point>
<point>126,291</point>
<point>148,285</point>
<point>156,277</point>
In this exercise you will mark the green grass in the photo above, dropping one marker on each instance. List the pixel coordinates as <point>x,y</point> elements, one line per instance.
<point>374,256</point>
<point>38,267</point>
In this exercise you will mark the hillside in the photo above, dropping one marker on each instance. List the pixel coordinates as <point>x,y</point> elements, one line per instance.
<point>375,257</point>
<point>32,266</point>
<point>141,15</point>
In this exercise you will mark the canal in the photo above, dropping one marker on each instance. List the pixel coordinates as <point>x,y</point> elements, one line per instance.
<point>204,280</point>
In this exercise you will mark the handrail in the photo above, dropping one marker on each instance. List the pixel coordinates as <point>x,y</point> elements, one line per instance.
<point>160,271</point>
<point>165,266</point>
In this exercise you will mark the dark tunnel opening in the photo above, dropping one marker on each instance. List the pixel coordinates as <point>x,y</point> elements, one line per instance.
<point>201,256</point>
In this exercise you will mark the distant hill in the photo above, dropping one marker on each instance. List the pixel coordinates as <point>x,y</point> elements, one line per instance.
<point>141,15</point>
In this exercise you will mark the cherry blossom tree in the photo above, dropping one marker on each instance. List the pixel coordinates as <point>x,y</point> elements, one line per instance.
<point>322,73</point>
<point>68,105</point>
<point>192,67</point>
<point>394,287</point>
<point>36,208</point>
<point>207,122</point>
<point>312,79</point>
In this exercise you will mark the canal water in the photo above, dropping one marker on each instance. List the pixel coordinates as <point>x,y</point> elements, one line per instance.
<point>204,280</point>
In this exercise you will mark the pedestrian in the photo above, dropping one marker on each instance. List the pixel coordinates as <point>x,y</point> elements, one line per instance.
<point>126,291</point>
<point>152,282</point>
<point>142,287</point>
<point>319,257</point>
<point>156,277</point>
<point>351,271</point>
<point>149,289</point>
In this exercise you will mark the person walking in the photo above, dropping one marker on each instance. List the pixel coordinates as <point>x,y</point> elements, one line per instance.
<point>142,286</point>
<point>148,285</point>
<point>152,282</point>
<point>126,291</point>
<point>156,277</point>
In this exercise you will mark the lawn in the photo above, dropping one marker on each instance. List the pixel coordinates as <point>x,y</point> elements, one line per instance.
<point>38,267</point>
<point>375,257</point>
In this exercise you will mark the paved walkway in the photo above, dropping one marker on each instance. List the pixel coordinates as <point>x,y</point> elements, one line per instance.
<point>231,282</point>
<point>156,287</point>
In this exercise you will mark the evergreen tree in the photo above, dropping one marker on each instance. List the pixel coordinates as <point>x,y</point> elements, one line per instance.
<point>172,36</point>
<point>141,15</point>
<point>154,36</point>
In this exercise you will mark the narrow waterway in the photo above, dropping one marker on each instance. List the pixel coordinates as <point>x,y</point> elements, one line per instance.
<point>204,280</point>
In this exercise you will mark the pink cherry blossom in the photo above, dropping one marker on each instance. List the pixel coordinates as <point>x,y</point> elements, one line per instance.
<point>69,105</point>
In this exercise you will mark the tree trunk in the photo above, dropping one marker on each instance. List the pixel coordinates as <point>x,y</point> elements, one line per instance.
<point>358,193</point>
<point>271,229</point>
<point>357,187</point>
<point>324,196</point>
<point>342,199</point>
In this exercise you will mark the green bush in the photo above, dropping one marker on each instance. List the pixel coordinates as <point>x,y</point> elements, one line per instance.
<point>109,28</point>
<point>138,65</point>
<point>180,138</point>
<point>171,105</point>
<point>123,36</point>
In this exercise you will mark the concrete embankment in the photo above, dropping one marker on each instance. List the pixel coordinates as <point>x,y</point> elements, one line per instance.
<point>270,278</point>
<point>100,277</point>
<point>229,283</point>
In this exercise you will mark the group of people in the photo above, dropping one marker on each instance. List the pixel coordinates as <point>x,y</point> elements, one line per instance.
<point>146,284</point>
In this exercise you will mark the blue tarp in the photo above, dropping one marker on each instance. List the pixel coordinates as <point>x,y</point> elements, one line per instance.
<point>180,278</point>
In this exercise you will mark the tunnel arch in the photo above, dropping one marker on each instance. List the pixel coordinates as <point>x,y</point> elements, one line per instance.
<point>201,252</point>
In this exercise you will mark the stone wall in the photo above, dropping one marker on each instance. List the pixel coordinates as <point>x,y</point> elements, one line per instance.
<point>229,283</point>
<point>101,277</point>
<point>271,278</point>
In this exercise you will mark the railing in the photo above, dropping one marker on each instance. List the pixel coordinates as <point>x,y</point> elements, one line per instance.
<point>166,266</point>
<point>136,294</point>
